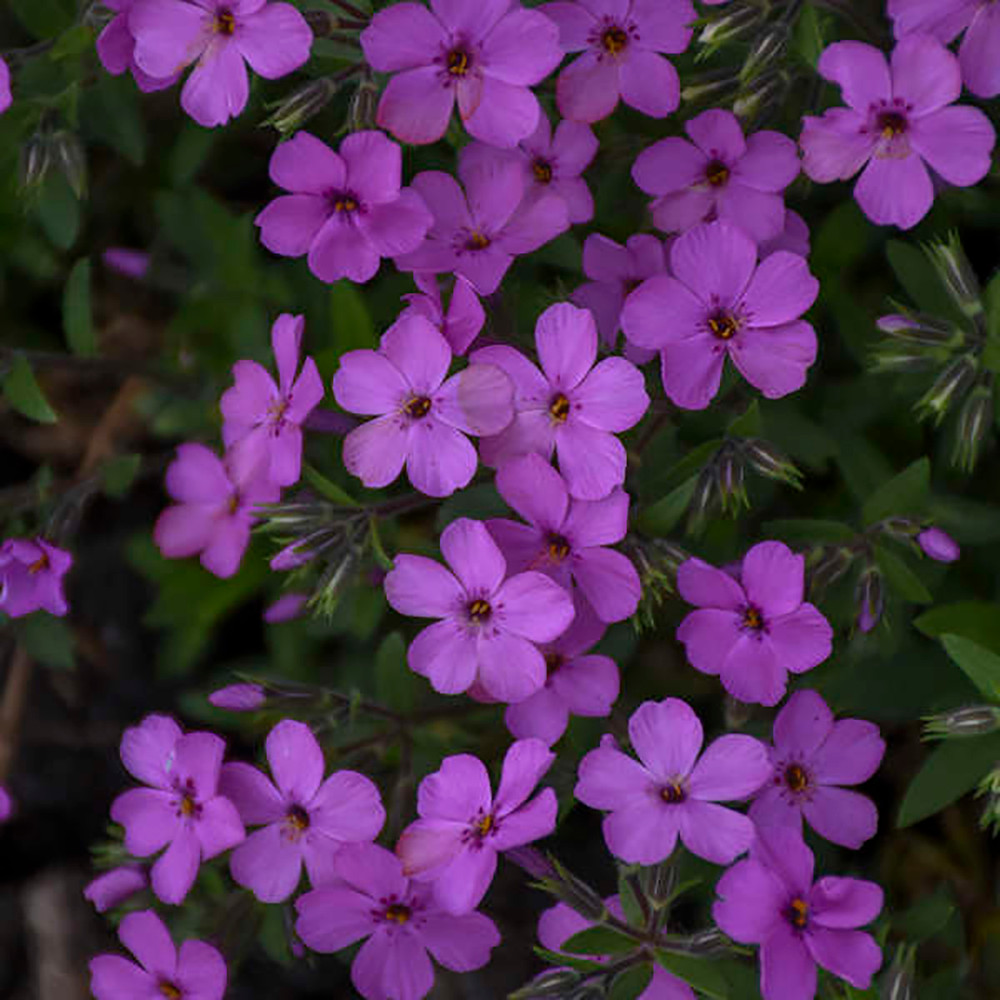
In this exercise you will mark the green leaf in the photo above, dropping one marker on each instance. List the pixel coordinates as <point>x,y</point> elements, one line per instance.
<point>24,394</point>
<point>395,683</point>
<point>700,973</point>
<point>43,18</point>
<point>118,474</point>
<point>976,620</point>
<point>349,316</point>
<point>558,958</point>
<point>58,210</point>
<point>748,424</point>
<point>630,984</point>
<point>901,577</point>
<point>77,320</point>
<point>806,531</point>
<point>664,514</point>
<point>328,489</point>
<point>920,279</point>
<point>629,901</point>
<point>926,917</point>
<point>981,666</point>
<point>110,110</point>
<point>950,771</point>
<point>906,493</point>
<point>47,639</point>
<point>598,941</point>
<point>991,299</point>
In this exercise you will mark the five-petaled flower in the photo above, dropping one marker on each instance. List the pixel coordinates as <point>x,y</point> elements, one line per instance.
<point>32,572</point>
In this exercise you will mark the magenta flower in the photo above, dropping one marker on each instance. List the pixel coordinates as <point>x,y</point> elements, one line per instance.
<point>577,682</point>
<point>460,323</point>
<point>572,406</point>
<point>132,263</point>
<point>401,921</point>
<point>719,175</point>
<point>462,826</point>
<point>794,237</point>
<point>116,49</point>
<point>219,35</point>
<point>346,210</point>
<point>485,56</point>
<point>215,509</point>
<point>181,810</point>
<point>261,421</point>
<point>32,573</point>
<point>5,96</point>
<point>621,41</point>
<point>615,271</point>
<point>238,697</point>
<point>194,972</point>
<point>478,233</point>
<point>718,304</point>
<point>286,608</point>
<point>304,819</point>
<point>753,630</point>
<point>560,922</point>
<point>812,756</point>
<point>770,899</point>
<point>946,20</point>
<point>422,418</point>
<point>489,622</point>
<point>565,538</point>
<point>938,545</point>
<point>113,887</point>
<point>898,123</point>
<point>671,793</point>
<point>550,164</point>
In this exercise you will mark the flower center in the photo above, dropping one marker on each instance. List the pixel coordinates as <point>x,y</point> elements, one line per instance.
<point>345,203</point>
<point>477,241</point>
<point>559,408</point>
<point>169,990</point>
<point>553,661</point>
<point>297,820</point>
<point>752,618</point>
<point>542,170</point>
<point>891,124</point>
<point>397,913</point>
<point>41,563</point>
<point>723,325</point>
<point>673,792</point>
<point>483,826</point>
<point>234,504</point>
<point>225,24</point>
<point>717,173</point>
<point>458,62</point>
<point>417,407</point>
<point>188,806</point>
<point>479,611</point>
<point>614,40</point>
<point>798,913</point>
<point>558,547</point>
<point>796,778</point>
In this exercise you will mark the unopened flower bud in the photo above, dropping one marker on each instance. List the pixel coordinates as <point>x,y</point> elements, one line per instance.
<point>36,158</point>
<point>285,608</point>
<point>364,103</point>
<point>730,26</point>
<point>68,156</point>
<point>974,422</point>
<point>708,88</point>
<point>768,460</point>
<point>956,272</point>
<point>576,893</point>
<point>293,112</point>
<point>658,882</point>
<point>890,358</point>
<point>729,482</point>
<point>869,596</point>
<point>897,983</point>
<point>989,788</point>
<point>761,95</point>
<point>918,328</point>
<point>238,697</point>
<point>703,498</point>
<point>949,386</point>
<point>830,566</point>
<point>737,713</point>
<point>973,720</point>
<point>710,941</point>
<point>555,983</point>
<point>766,50</point>
<point>938,545</point>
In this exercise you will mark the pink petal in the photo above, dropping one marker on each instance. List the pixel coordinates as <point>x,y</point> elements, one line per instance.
<point>852,955</point>
<point>510,667</point>
<point>333,917</point>
<point>183,530</point>
<point>588,685</point>
<point>715,260</point>
<point>473,556</point>
<point>224,552</point>
<point>375,451</point>
<point>732,767</point>
<point>850,754</point>
<point>201,971</point>
<point>662,311</point>
<point>148,749</point>
<point>341,250</point>
<point>784,852</point>
<point>289,224</point>
<point>415,346</point>
<point>197,476</point>
<point>802,639</point>
<point>750,902</point>
<point>254,796</point>
<point>591,461</point>
<point>174,873</point>
<point>531,822</point>
<point>534,224</point>
<point>428,845</point>
<point>422,588</point>
<point>566,338</point>
<point>477,400</point>
<point>465,317</point>
<point>758,213</point>
<point>415,106</point>
<point>371,869</point>
<point>296,760</point>
<point>612,397</point>
<point>717,133</point>
<point>841,816</point>
<point>859,70</point>
<point>401,37</point>
<point>395,967</point>
<point>775,359</point>
<point>956,142</point>
<point>786,967</point>
<point>268,864</point>
<point>895,192</point>
<point>665,28</point>
<point>506,113</point>
<point>397,227</point>
<point>641,832</point>
<point>523,48</point>
<point>115,46</point>
<point>980,69</point>
<point>197,759</point>
<point>347,807</point>
<point>146,936</point>
<point>574,147</point>
<point>440,459</point>
<point>543,716</point>
<point>217,88</point>
<point>925,74</point>
<point>115,978</point>
<point>374,166</point>
<point>446,200</point>
<point>369,383</point>
<point>668,165</point>
<point>713,832</point>
<point>463,882</point>
<point>753,672</point>
<point>525,762</point>
<point>666,736</point>
<point>534,490</point>
<point>219,827</point>
<point>682,210</point>
<point>574,21</point>
<point>275,40</point>
<point>844,902</point>
<point>445,653</point>
<point>649,83</point>
<point>587,89</point>
<point>608,779</point>
<point>709,635</point>
<point>149,817</point>
<point>781,290</point>
<point>474,22</point>
<point>168,34</point>
<point>459,943</point>
<point>534,607</point>
<point>708,587</point>
<point>597,522</point>
<point>803,724</point>
<point>774,578</point>
<point>457,791</point>
<point>609,581</point>
<point>771,162</point>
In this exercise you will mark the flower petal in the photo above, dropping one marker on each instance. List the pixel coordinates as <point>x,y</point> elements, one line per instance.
<point>667,737</point>
<point>732,767</point>
<point>713,832</point>
<point>781,290</point>
<point>774,578</point>
<point>445,653</point>
<point>296,760</point>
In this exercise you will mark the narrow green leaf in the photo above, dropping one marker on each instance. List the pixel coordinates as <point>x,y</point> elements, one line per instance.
<point>558,958</point>
<point>58,210</point>
<point>394,683</point>
<point>905,493</point>
<point>917,275</point>
<point>926,917</point>
<point>991,299</point>
<point>47,639</point>
<point>664,514</point>
<point>629,901</point>
<point>598,941</point>
<point>349,316</point>
<point>748,424</point>
<point>976,620</point>
<point>118,474</point>
<point>327,488</point>
<point>78,322</point>
<point>697,972</point>
<point>981,666</point>
<point>901,577</point>
<point>24,394</point>
<point>631,983</point>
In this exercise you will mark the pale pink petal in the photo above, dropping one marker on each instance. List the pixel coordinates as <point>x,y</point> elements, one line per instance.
<point>305,164</point>
<point>289,224</point>
<point>845,902</point>
<point>612,396</point>
<point>667,737</point>
<point>375,451</point>
<point>609,581</point>
<point>462,884</point>
<point>473,556</point>
<point>402,36</point>
<point>369,383</point>
<point>771,162</point>
<point>682,210</point>
<point>759,214</point>
<point>588,685</point>
<point>753,672</point>
<point>333,917</point>
<point>296,760</point>
<point>174,872</point>
<point>709,635</point>
<point>201,971</point>
<point>608,779</point>
<point>168,34</point>
<point>841,816</point>
<point>597,522</point>
<point>506,113</point>
<point>275,40</point>
<point>575,24</point>
<point>534,820</point>
<point>786,967</point>
<point>429,844</point>
<point>268,864</point>
<point>254,796</point>
<point>219,827</point>
<point>544,716</point>
<point>780,291</point>
<point>217,88</point>
<point>717,133</point>
<point>852,955</point>
<point>524,764</point>
<point>775,359</point>
<point>803,724</point>
<point>477,400</point>
<point>115,46</point>
<point>714,260</point>
<point>149,817</point>
<point>523,48</point>
<point>750,901</point>
<point>415,106</point>
<point>115,978</point>
<point>665,28</point>
<point>396,227</point>
<point>457,791</point>
<point>347,807</point>
<point>146,936</point>
<point>980,69</point>
<point>534,607</point>
<point>649,83</point>
<point>836,146</point>
<point>668,165</point>
<point>925,74</point>
<point>895,192</point>
<point>733,767</point>
<point>860,71</point>
<point>510,668</point>
<point>713,832</point>
<point>592,462</point>
<point>445,653</point>
<point>587,90</point>
<point>533,489</point>
<point>147,750</point>
<point>422,588</point>
<point>440,459</point>
<point>662,311</point>
<point>850,754</point>
<point>774,578</point>
<point>956,142</point>
<point>802,639</point>
<point>566,338</point>
<point>708,587</point>
<point>641,832</point>
<point>460,943</point>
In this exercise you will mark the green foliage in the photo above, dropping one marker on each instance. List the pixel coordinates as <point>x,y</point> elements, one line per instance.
<point>23,393</point>
<point>981,665</point>
<point>78,322</point>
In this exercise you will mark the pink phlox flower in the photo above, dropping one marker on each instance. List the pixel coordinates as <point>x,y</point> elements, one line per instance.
<point>670,792</point>
<point>216,505</point>
<point>132,263</point>
<point>938,545</point>
<point>238,697</point>
<point>116,49</point>
<point>770,899</point>
<point>462,826</point>
<point>220,36</point>
<point>460,323</point>
<point>812,756</point>
<point>566,538</point>
<point>615,271</point>
<point>751,632</point>
<point>489,622</point>
<point>622,42</point>
<point>577,682</point>
<point>719,174</point>
<point>401,921</point>
<point>478,232</point>
<point>346,209</point>
<point>5,96</point>
<point>718,303</point>
<point>181,810</point>
<point>897,123</point>
<point>794,237</point>
<point>196,971</point>
<point>32,576</point>
<point>304,818</point>
<point>559,923</point>
<point>113,887</point>
<point>422,417</point>
<point>946,20</point>
<point>550,164</point>
<point>482,54</point>
<point>572,406</point>
<point>286,608</point>
<point>262,421</point>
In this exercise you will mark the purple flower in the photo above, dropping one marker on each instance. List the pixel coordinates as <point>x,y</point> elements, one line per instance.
<point>195,972</point>
<point>483,55</point>
<point>304,819</point>
<point>560,922</point>
<point>566,538</point>
<point>462,826</point>
<point>945,20</point>
<point>621,41</point>
<point>346,210</point>
<point>116,49</point>
<point>401,921</point>
<point>770,899</point>
<point>286,608</point>
<point>615,271</point>
<point>489,622</point>
<point>132,263</point>
<point>31,577</point>
<point>812,755</point>
<point>5,97</point>
<point>261,421</point>
<point>575,683</point>
<point>571,406</point>
<point>460,323</point>
<point>181,808</point>
<point>794,237</point>
<point>219,34</point>
<point>718,304</point>
<point>6,805</point>
<point>754,630</point>
<point>215,509</point>
<point>115,886</point>
<point>671,793</point>
<point>719,175</point>
<point>898,123</point>
<point>238,697</point>
<point>549,164</point>
<point>478,233</point>
<point>422,418</point>
<point>939,545</point>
